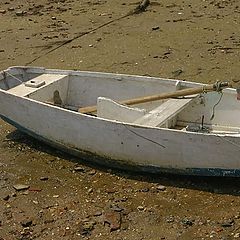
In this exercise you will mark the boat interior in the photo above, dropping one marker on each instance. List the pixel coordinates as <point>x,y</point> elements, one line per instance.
<point>211,112</point>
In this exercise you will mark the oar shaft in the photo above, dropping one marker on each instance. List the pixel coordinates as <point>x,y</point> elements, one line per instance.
<point>179,93</point>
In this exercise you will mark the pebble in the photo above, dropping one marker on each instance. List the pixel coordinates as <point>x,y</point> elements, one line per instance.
<point>2,11</point>
<point>113,219</point>
<point>90,190</point>
<point>161,188</point>
<point>155,28</point>
<point>187,222</point>
<point>98,213</point>
<point>43,178</point>
<point>10,9</point>
<point>227,223</point>
<point>140,208</point>
<point>86,227</point>
<point>79,169</point>
<point>20,187</point>
<point>6,198</point>
<point>92,172</point>
<point>26,223</point>
<point>53,18</point>
<point>236,235</point>
<point>177,72</point>
<point>19,13</point>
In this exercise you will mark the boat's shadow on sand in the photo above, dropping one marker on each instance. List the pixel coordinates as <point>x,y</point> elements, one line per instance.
<point>218,185</point>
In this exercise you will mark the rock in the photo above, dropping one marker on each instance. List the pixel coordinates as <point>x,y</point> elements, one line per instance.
<point>79,169</point>
<point>187,222</point>
<point>10,9</point>
<point>155,28</point>
<point>6,198</point>
<point>110,190</point>
<point>19,13</point>
<point>236,235</point>
<point>86,227</point>
<point>161,188</point>
<point>177,72</point>
<point>2,11</point>
<point>113,219</point>
<point>20,187</point>
<point>140,208</point>
<point>144,190</point>
<point>98,213</point>
<point>2,50</point>
<point>227,223</point>
<point>92,172</point>
<point>43,178</point>
<point>116,208</point>
<point>170,219</point>
<point>90,190</point>
<point>54,18</point>
<point>26,223</point>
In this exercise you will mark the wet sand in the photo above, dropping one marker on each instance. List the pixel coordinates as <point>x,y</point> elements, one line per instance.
<point>67,199</point>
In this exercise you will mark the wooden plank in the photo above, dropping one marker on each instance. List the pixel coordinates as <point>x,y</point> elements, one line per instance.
<point>164,112</point>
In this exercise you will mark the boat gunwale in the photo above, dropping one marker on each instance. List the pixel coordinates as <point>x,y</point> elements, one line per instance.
<point>42,70</point>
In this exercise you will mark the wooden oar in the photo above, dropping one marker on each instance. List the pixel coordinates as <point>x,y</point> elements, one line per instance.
<point>180,93</point>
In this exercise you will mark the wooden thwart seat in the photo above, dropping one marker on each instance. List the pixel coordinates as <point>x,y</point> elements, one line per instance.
<point>165,112</point>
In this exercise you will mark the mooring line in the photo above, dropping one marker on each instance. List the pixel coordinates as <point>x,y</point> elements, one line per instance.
<point>140,8</point>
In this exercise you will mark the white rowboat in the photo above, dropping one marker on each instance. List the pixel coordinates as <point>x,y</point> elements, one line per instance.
<point>196,135</point>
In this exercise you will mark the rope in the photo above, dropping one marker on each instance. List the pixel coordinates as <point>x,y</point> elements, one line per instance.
<point>213,111</point>
<point>13,77</point>
<point>217,86</point>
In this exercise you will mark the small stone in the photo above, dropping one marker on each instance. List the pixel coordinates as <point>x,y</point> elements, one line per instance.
<point>92,172</point>
<point>227,223</point>
<point>19,13</point>
<point>161,188</point>
<point>26,223</point>
<point>98,213</point>
<point>10,9</point>
<point>2,50</point>
<point>117,208</point>
<point>155,28</point>
<point>6,198</point>
<point>54,18</point>
<point>90,45</point>
<point>110,190</point>
<point>55,196</point>
<point>86,227</point>
<point>90,190</point>
<point>113,219</point>
<point>43,178</point>
<point>236,235</point>
<point>140,208</point>
<point>177,72</point>
<point>20,187</point>
<point>187,222</point>
<point>79,169</point>
<point>2,11</point>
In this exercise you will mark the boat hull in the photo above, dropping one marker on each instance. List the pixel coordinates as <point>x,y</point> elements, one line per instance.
<point>104,161</point>
<point>124,146</point>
